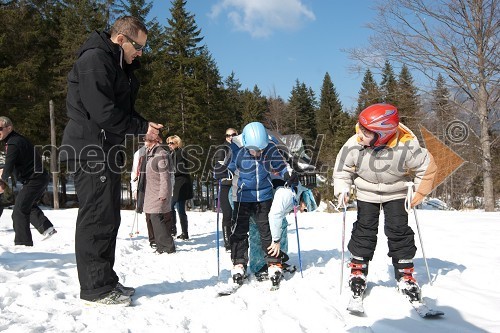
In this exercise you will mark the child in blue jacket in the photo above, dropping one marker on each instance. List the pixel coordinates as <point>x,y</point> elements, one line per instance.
<point>254,158</point>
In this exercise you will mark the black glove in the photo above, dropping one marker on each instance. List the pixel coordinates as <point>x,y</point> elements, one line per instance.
<point>291,180</point>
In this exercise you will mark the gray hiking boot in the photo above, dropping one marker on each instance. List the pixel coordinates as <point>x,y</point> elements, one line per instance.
<point>113,298</point>
<point>125,291</point>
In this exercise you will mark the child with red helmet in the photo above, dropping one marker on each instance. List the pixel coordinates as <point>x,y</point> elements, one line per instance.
<point>379,160</point>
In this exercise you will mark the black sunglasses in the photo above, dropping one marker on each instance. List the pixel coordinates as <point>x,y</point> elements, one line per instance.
<point>170,143</point>
<point>137,46</point>
<point>228,135</point>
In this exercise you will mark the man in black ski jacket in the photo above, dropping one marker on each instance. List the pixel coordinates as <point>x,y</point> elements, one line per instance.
<point>25,164</point>
<point>102,89</point>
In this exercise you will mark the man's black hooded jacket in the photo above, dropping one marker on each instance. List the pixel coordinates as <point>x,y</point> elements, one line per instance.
<point>100,102</point>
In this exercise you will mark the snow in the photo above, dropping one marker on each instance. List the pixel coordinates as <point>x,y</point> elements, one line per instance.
<point>39,289</point>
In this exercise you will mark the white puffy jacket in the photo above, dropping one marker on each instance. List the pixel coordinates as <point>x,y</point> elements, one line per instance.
<point>380,174</point>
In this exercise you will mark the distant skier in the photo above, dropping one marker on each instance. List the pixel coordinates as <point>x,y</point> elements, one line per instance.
<point>379,159</point>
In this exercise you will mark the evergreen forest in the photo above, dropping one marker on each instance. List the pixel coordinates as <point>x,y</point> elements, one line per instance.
<point>182,88</point>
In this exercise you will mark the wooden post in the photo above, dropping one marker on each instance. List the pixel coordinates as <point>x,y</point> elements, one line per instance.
<point>53,156</point>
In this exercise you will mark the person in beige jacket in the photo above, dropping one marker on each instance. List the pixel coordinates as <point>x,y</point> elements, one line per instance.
<point>380,160</point>
<point>158,195</point>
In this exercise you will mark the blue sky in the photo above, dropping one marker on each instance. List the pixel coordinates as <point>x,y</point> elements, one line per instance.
<point>272,43</point>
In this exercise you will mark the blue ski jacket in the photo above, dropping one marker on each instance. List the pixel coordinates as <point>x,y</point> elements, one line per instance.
<point>252,175</point>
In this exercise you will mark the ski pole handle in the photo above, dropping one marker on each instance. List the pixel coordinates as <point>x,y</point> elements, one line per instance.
<point>409,196</point>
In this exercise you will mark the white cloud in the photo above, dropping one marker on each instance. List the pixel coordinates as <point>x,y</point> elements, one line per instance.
<point>261,17</point>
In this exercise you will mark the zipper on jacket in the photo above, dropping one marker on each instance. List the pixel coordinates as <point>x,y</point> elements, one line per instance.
<point>240,191</point>
<point>257,177</point>
<point>102,136</point>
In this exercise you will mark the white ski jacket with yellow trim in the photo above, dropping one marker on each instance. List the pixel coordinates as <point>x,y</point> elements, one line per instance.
<point>380,173</point>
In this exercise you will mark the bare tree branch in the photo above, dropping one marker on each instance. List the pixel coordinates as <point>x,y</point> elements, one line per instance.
<point>457,38</point>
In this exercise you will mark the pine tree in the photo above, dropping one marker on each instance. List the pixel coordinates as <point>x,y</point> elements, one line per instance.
<point>233,102</point>
<point>335,125</point>
<point>301,117</point>
<point>182,48</point>
<point>29,44</point>
<point>369,93</point>
<point>211,118</point>
<point>254,105</point>
<point>153,73</point>
<point>442,107</point>
<point>408,103</point>
<point>389,85</point>
<point>76,20</point>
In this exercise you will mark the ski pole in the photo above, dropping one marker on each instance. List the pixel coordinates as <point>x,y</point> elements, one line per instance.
<point>137,225</point>
<point>297,232</point>
<point>408,209</point>
<point>131,234</point>
<point>344,213</point>
<point>342,204</point>
<point>422,246</point>
<point>217,242</point>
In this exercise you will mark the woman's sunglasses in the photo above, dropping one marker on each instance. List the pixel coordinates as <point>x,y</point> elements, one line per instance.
<point>233,134</point>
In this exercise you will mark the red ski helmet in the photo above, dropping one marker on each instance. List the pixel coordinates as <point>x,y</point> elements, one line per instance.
<point>382,119</point>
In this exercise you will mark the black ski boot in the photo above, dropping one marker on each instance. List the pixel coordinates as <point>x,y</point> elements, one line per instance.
<point>407,285</point>
<point>262,274</point>
<point>357,279</point>
<point>238,273</point>
<point>275,274</point>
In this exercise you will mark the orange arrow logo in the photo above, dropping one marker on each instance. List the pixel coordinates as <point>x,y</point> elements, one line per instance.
<point>447,160</point>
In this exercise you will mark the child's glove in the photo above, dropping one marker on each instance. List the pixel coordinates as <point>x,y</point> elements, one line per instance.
<point>343,198</point>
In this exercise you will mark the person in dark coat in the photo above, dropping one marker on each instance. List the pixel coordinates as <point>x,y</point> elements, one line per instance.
<point>183,186</point>
<point>102,89</point>
<point>22,161</point>
<point>222,157</point>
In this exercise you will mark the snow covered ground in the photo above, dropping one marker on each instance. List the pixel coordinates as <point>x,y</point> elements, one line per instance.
<point>39,290</point>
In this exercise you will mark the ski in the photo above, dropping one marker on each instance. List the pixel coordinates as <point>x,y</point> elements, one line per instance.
<point>288,271</point>
<point>355,305</point>
<point>262,276</point>
<point>415,299</point>
<point>280,275</point>
<point>424,311</point>
<point>228,289</point>
<point>232,285</point>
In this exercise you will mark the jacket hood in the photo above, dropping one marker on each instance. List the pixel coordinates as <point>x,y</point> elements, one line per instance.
<point>99,40</point>
<point>102,40</point>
